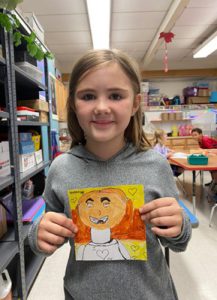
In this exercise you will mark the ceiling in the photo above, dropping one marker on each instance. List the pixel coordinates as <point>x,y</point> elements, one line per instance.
<point>135,28</point>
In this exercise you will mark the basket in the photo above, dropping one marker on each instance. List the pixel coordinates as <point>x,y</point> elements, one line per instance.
<point>197,159</point>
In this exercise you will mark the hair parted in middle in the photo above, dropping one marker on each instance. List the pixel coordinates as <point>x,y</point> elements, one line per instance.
<point>93,60</point>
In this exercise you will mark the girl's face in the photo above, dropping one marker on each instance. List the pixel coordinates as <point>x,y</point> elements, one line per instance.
<point>104,104</point>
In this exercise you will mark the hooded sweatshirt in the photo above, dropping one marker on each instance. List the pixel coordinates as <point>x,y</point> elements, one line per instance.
<point>124,279</point>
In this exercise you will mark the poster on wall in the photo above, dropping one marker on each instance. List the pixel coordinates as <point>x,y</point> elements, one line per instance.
<point>52,80</point>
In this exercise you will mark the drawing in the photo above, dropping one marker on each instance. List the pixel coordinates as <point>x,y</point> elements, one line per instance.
<point>109,223</point>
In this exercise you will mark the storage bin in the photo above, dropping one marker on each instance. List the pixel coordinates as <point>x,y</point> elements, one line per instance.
<point>197,159</point>
<point>31,70</point>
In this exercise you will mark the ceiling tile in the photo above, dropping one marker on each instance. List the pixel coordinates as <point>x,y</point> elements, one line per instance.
<point>68,37</point>
<point>138,5</point>
<point>135,35</point>
<point>64,22</point>
<point>48,7</point>
<point>137,20</point>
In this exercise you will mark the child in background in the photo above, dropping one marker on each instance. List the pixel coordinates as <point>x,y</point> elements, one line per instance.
<point>109,148</point>
<point>206,142</point>
<point>159,146</point>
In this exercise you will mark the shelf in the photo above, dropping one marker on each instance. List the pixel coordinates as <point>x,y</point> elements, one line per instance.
<point>2,61</point>
<point>31,123</point>
<point>33,171</point>
<point>4,115</point>
<point>6,181</point>
<point>8,249</point>
<point>24,80</point>
<point>165,121</point>
<point>32,268</point>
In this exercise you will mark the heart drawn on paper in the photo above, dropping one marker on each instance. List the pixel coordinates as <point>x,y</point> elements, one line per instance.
<point>132,191</point>
<point>134,248</point>
<point>102,253</point>
<point>74,200</point>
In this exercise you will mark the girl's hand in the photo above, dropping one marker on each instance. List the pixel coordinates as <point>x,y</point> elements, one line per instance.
<point>52,231</point>
<point>165,215</point>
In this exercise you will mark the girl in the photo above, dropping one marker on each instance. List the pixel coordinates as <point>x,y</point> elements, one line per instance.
<point>159,146</point>
<point>109,148</point>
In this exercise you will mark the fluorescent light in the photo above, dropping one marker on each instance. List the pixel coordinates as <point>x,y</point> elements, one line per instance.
<point>207,47</point>
<point>99,12</point>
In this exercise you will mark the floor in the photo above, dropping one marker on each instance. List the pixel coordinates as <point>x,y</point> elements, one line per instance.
<point>193,271</point>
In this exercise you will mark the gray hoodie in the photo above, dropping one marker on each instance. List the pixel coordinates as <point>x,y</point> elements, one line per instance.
<point>115,280</point>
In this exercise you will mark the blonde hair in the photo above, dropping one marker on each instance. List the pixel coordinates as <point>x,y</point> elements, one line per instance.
<point>92,60</point>
<point>159,136</point>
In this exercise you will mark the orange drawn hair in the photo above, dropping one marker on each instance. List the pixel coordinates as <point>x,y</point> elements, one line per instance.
<point>130,227</point>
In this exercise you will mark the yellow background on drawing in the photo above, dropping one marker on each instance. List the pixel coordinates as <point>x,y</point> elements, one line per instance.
<point>135,192</point>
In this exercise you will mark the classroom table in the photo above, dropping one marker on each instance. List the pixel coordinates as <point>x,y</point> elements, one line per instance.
<point>182,162</point>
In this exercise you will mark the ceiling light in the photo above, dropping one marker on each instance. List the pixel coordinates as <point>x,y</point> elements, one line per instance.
<point>99,13</point>
<point>207,47</point>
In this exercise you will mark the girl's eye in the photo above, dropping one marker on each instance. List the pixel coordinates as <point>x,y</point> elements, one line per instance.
<point>115,96</point>
<point>88,97</point>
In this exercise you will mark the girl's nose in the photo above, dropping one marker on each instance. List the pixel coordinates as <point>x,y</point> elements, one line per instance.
<point>101,106</point>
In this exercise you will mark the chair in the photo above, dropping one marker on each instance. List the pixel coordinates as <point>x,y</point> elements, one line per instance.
<point>211,194</point>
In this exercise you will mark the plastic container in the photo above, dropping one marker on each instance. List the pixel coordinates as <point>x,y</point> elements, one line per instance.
<point>31,70</point>
<point>213,97</point>
<point>197,159</point>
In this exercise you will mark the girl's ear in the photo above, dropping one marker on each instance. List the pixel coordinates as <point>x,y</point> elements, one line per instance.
<point>136,103</point>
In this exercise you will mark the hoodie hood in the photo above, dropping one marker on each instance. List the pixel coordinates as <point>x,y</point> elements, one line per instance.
<point>81,152</point>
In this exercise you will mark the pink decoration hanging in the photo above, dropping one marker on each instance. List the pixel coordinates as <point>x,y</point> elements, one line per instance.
<point>167,36</point>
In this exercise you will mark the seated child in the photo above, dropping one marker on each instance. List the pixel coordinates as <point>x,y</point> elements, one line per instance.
<point>159,146</point>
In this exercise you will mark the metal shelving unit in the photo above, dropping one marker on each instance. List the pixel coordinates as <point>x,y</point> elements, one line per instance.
<point>14,253</point>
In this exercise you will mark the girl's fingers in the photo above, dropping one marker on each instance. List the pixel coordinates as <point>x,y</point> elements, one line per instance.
<point>46,247</point>
<point>169,232</point>
<point>51,238</point>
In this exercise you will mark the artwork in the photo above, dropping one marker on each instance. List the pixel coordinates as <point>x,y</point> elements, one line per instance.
<point>109,223</point>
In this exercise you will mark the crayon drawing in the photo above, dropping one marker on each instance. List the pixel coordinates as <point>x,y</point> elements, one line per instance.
<point>109,223</point>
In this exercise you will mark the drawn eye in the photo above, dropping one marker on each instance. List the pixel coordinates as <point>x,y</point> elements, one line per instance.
<point>105,201</point>
<point>89,203</point>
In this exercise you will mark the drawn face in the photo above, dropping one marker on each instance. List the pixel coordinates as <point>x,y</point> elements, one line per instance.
<point>102,209</point>
<point>104,104</point>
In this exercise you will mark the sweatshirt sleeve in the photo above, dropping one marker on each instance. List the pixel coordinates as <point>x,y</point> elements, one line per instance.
<point>167,188</point>
<point>52,204</point>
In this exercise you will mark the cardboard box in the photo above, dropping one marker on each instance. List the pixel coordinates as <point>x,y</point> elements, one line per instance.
<point>36,140</point>
<point>5,167</point>
<point>197,100</point>
<point>27,161</point>
<point>43,117</point>
<point>26,147</point>
<point>3,221</point>
<point>37,104</point>
<point>38,156</point>
<point>25,136</point>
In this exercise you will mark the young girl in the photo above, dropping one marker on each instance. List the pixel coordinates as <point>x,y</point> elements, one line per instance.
<point>159,146</point>
<point>109,148</point>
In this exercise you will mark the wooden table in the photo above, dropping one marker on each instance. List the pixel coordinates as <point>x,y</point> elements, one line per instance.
<point>182,162</point>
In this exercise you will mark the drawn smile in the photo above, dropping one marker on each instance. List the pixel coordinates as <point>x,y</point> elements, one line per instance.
<point>102,220</point>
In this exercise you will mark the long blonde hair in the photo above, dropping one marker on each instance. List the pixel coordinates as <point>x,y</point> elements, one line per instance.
<point>94,59</point>
<point>159,136</point>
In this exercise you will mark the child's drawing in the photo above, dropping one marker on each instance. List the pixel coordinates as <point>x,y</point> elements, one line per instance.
<point>109,223</point>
